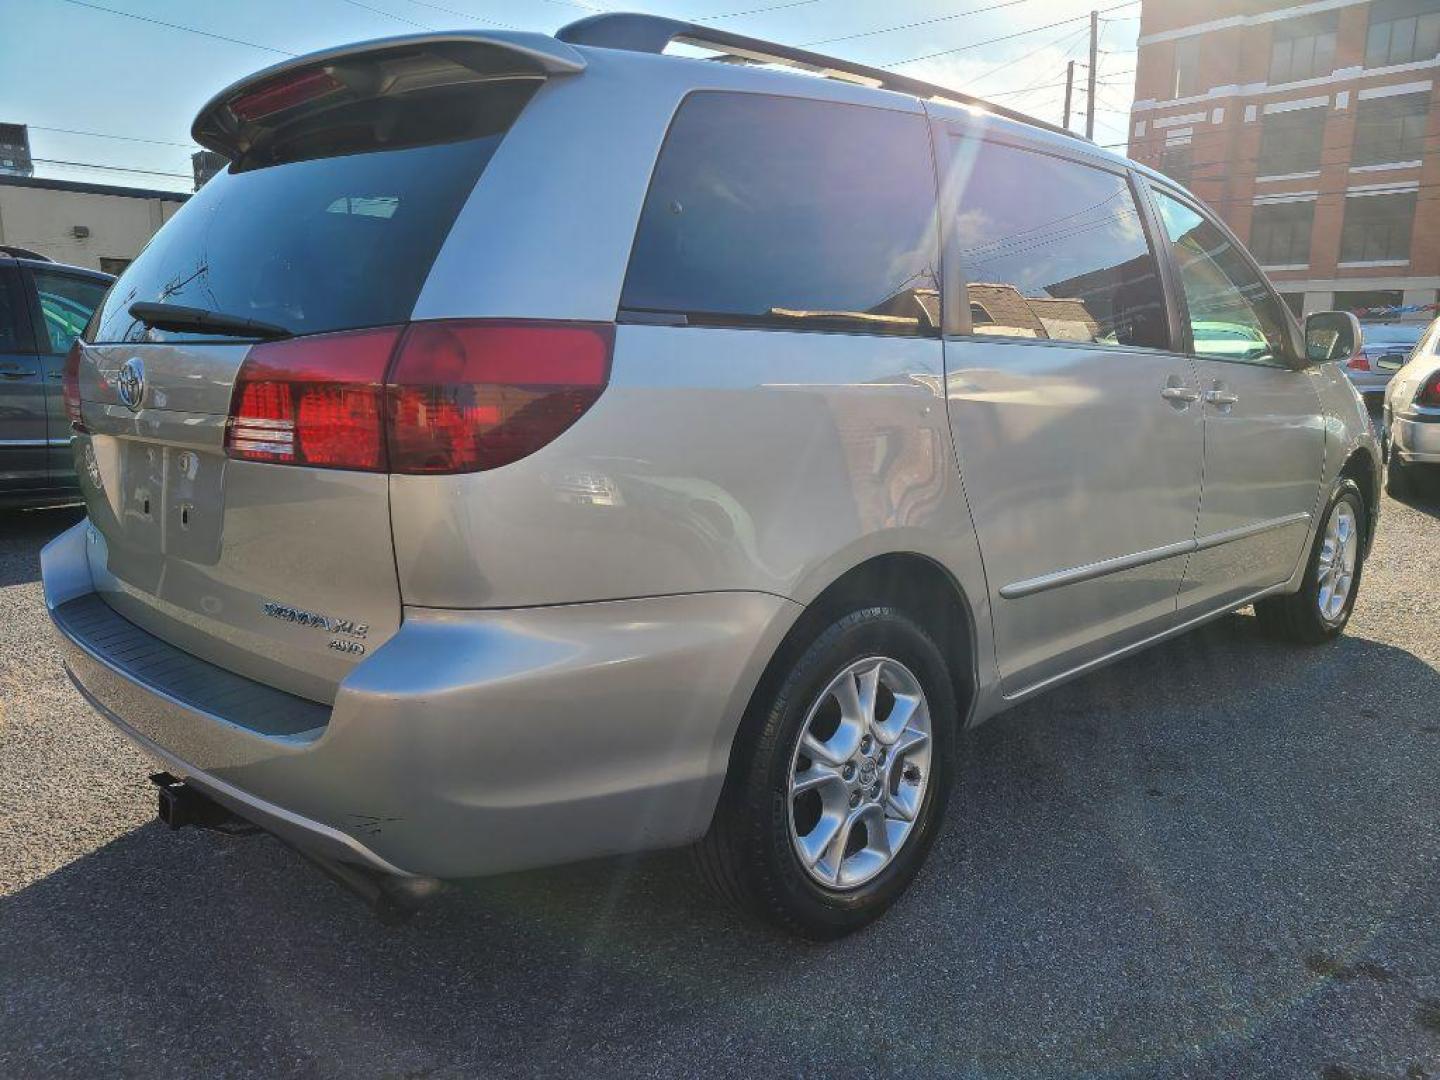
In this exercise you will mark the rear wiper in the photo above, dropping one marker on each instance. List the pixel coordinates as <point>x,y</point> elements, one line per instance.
<point>175,317</point>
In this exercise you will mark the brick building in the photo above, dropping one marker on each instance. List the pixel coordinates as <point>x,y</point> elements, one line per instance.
<point>1312,128</point>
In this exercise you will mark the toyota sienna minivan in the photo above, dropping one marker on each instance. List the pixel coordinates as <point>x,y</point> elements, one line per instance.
<point>536,448</point>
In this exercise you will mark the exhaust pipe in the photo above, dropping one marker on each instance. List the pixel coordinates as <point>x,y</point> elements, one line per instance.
<point>393,900</point>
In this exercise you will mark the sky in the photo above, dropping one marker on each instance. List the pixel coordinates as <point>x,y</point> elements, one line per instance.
<point>110,69</point>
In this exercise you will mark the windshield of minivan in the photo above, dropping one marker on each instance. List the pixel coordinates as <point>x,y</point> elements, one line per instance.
<point>318,245</point>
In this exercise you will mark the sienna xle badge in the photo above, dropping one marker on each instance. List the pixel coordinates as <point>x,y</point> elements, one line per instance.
<point>535,448</point>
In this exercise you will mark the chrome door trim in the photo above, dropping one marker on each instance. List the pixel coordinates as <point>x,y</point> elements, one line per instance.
<point>1090,571</point>
<point>26,442</point>
<point>1058,578</point>
<point>1242,532</point>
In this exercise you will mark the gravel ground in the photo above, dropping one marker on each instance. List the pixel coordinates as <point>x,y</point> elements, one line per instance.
<point>1218,859</point>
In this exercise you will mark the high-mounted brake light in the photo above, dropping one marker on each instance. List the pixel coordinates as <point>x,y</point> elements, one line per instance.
<point>284,93</point>
<point>316,401</point>
<point>466,396</point>
<point>460,396</point>
<point>70,388</point>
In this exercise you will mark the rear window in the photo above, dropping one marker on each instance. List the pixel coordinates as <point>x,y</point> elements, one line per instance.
<point>792,214</point>
<point>313,245</point>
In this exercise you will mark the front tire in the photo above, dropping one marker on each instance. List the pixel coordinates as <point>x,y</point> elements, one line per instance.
<point>1322,607</point>
<point>839,778</point>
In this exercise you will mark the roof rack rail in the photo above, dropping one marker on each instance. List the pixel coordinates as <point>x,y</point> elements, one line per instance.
<point>652,33</point>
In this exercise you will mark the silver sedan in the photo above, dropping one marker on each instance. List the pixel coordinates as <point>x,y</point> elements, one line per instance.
<point>1411,420</point>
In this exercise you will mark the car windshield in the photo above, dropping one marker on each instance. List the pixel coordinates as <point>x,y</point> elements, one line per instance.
<point>1393,334</point>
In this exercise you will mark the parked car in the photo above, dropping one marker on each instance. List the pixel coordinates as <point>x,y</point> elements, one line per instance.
<point>532,449</point>
<point>1410,422</point>
<point>43,308</point>
<point>1384,348</point>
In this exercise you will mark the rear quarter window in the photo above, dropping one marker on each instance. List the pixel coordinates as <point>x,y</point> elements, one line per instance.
<point>790,214</point>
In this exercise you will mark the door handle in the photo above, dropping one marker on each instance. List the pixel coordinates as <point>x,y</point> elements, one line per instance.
<point>1222,398</point>
<point>14,373</point>
<point>1180,393</point>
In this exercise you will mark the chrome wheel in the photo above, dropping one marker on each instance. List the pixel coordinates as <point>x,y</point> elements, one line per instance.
<point>859,772</point>
<point>1338,554</point>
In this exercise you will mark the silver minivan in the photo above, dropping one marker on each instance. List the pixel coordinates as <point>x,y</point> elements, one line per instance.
<point>535,448</point>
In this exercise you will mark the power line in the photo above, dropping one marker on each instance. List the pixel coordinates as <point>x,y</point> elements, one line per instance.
<point>1005,37</point>
<point>178,26</point>
<point>111,168</point>
<point>387,14</point>
<point>920,22</point>
<point>754,11</point>
<point>468,14</point>
<point>1067,39</point>
<point>103,135</point>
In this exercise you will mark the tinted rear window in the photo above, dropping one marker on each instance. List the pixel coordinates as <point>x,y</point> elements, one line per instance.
<point>800,215</point>
<point>314,245</point>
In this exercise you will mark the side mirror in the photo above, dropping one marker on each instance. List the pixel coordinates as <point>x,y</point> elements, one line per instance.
<point>1331,335</point>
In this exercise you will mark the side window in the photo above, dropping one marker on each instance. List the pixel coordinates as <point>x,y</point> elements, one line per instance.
<point>66,304</point>
<point>1052,249</point>
<point>790,214</point>
<point>1233,315</point>
<point>14,323</point>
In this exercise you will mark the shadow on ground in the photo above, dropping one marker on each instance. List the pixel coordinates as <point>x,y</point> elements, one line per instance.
<point>1129,884</point>
<point>31,530</point>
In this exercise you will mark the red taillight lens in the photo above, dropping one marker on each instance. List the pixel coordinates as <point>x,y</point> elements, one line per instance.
<point>1359,362</point>
<point>315,401</point>
<point>466,396</point>
<point>1429,395</point>
<point>70,388</point>
<point>284,93</point>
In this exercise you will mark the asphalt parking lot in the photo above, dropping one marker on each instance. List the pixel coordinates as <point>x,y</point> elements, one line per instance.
<point>1219,859</point>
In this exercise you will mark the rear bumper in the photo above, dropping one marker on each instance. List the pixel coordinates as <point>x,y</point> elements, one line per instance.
<point>1417,442</point>
<point>472,742</point>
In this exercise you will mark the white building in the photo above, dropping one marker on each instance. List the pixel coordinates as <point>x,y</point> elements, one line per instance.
<point>92,225</point>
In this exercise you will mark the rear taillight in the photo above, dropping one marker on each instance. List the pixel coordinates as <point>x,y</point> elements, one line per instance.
<point>1359,362</point>
<point>460,396</point>
<point>466,396</point>
<point>316,401</point>
<point>70,388</point>
<point>1429,395</point>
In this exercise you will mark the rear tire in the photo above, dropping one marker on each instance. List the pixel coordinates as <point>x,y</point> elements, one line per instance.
<point>1322,607</point>
<point>1399,477</point>
<point>784,795</point>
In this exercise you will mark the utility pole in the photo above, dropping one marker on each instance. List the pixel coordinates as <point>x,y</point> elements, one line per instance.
<point>1094,63</point>
<point>1069,91</point>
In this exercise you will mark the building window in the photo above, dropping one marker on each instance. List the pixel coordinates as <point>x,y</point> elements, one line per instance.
<point>1280,233</point>
<point>1290,141</point>
<point>1178,162</point>
<point>1189,79</point>
<point>1377,228</point>
<point>1303,48</point>
<point>1295,301</point>
<point>1402,31</point>
<point>1368,303</point>
<point>1390,129</point>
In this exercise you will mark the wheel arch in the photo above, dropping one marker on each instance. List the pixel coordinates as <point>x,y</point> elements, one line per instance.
<point>1363,468</point>
<point>916,584</point>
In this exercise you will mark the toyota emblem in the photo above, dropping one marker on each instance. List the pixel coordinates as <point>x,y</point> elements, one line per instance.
<point>131,382</point>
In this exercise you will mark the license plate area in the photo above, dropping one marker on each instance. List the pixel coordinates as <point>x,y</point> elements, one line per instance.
<point>169,501</point>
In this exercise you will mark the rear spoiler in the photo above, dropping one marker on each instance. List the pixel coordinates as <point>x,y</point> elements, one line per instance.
<point>231,121</point>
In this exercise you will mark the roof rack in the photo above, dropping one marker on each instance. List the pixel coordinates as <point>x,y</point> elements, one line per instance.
<point>652,33</point>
